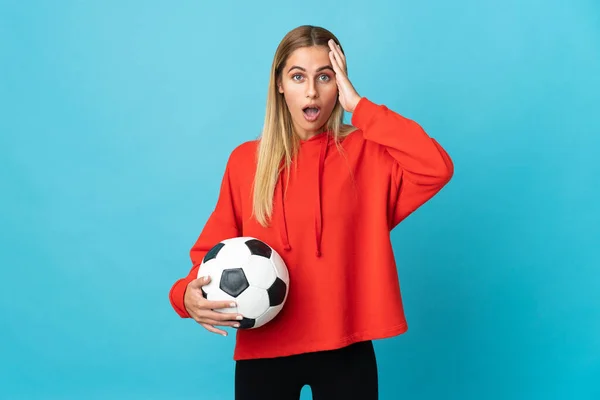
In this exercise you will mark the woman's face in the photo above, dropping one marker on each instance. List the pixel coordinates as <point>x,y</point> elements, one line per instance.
<point>309,87</point>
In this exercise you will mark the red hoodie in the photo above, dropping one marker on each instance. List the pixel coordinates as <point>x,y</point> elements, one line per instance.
<point>331,225</point>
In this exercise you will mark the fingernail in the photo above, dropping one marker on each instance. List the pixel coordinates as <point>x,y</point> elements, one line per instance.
<point>224,334</point>
<point>231,304</point>
<point>239,318</point>
<point>236,325</point>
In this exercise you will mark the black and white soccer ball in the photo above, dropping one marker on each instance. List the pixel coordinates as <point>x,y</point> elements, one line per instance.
<point>249,272</point>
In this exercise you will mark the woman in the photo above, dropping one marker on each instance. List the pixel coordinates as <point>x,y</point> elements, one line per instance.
<point>325,196</point>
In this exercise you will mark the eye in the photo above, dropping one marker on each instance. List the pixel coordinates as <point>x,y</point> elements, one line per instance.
<point>296,77</point>
<point>324,78</point>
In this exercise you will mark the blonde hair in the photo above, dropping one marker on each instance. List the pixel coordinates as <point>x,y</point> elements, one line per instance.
<point>278,143</point>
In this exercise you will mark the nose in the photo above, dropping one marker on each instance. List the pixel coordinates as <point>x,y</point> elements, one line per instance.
<point>311,90</point>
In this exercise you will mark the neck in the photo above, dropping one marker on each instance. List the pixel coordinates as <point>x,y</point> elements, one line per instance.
<point>305,135</point>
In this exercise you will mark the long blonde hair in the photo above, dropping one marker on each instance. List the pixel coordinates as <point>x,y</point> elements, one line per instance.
<point>278,144</point>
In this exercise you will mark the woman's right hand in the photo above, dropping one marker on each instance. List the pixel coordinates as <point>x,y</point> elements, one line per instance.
<point>201,309</point>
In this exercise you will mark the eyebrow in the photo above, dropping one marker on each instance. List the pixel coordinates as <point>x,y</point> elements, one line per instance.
<point>318,70</point>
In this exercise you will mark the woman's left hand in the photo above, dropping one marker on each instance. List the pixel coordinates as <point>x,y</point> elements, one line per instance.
<point>349,98</point>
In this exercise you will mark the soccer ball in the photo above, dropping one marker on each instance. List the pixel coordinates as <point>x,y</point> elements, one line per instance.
<point>249,272</point>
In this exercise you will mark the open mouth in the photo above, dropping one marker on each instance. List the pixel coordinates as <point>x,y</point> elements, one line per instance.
<point>311,113</point>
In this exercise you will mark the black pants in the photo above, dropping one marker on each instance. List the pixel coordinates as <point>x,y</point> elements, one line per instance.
<point>347,373</point>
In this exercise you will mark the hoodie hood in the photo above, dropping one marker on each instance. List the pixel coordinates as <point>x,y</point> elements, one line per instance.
<point>322,140</point>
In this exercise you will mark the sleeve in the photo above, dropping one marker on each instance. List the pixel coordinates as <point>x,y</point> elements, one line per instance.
<point>422,167</point>
<point>223,223</point>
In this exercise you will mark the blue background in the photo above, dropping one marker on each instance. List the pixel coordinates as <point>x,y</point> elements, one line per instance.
<point>117,118</point>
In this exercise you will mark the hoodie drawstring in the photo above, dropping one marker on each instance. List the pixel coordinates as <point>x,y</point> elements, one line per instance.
<point>283,226</point>
<point>318,212</point>
<point>283,231</point>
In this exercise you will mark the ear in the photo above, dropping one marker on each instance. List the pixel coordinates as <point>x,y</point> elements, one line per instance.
<point>280,88</point>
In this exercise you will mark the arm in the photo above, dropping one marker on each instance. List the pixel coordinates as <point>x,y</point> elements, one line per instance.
<point>223,223</point>
<point>422,167</point>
